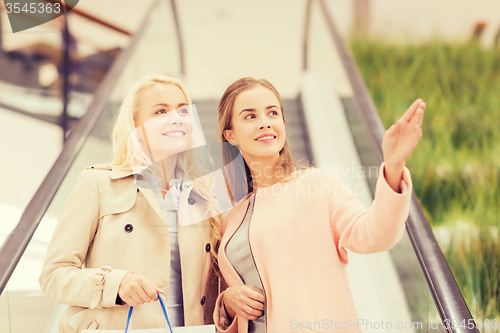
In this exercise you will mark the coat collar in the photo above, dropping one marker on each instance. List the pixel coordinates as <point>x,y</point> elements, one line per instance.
<point>118,172</point>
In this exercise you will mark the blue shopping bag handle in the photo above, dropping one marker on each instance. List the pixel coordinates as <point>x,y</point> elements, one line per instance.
<point>162,308</point>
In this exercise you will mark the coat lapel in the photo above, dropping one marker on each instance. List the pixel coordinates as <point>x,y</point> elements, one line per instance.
<point>231,276</point>
<point>192,196</point>
<point>149,194</point>
<point>185,216</point>
<point>234,218</point>
<point>121,172</point>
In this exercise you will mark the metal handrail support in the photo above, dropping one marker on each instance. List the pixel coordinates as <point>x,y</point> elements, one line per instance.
<point>180,41</point>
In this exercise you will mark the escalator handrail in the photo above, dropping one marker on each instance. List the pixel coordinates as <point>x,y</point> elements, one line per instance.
<point>1,33</point>
<point>17,241</point>
<point>443,287</point>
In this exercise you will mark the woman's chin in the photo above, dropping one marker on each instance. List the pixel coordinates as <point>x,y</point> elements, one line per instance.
<point>168,154</point>
<point>263,154</point>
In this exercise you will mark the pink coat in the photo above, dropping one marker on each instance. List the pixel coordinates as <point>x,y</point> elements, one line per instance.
<point>298,234</point>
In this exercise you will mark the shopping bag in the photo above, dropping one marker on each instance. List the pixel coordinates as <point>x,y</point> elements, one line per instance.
<point>168,329</point>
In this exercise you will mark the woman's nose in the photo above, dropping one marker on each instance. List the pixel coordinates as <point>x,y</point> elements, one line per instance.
<point>265,123</point>
<point>174,118</point>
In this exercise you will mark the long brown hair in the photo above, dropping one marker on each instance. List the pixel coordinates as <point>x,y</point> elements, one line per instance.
<point>239,176</point>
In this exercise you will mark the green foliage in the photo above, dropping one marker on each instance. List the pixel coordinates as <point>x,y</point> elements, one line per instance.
<point>472,254</point>
<point>456,166</point>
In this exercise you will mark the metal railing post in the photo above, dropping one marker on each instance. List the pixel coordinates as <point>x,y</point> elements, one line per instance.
<point>180,41</point>
<point>66,72</point>
<point>305,41</point>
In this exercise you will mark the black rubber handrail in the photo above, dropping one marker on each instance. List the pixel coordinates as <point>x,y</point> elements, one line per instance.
<point>443,287</point>
<point>19,238</point>
<point>67,69</point>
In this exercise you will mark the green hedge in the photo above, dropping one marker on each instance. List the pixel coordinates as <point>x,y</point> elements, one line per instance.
<point>456,167</point>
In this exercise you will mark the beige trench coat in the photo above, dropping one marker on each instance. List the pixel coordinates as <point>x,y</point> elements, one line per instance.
<point>108,227</point>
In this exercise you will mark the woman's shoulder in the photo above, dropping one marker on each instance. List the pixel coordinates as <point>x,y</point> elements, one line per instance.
<point>315,174</point>
<point>231,211</point>
<point>116,192</point>
<point>97,169</point>
<point>107,167</point>
<point>107,171</point>
<point>229,215</point>
<point>106,175</point>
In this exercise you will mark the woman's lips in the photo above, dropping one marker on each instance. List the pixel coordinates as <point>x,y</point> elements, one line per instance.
<point>266,138</point>
<point>174,134</point>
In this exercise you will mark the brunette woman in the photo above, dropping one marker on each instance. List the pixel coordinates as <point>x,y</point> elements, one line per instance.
<point>283,251</point>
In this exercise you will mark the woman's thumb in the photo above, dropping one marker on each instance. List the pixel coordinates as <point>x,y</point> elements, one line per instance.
<point>158,290</point>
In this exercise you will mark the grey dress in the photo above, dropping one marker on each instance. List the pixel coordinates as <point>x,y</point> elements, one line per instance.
<point>240,256</point>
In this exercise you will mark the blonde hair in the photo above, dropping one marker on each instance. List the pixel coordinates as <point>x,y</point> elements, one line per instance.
<point>129,154</point>
<point>239,176</point>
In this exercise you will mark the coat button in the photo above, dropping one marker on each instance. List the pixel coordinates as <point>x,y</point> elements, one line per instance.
<point>129,228</point>
<point>203,299</point>
<point>191,201</point>
<point>208,247</point>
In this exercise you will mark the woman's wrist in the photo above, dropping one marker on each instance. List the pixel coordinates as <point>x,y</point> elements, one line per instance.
<point>394,165</point>
<point>393,174</point>
<point>224,319</point>
<point>230,310</point>
<point>230,314</point>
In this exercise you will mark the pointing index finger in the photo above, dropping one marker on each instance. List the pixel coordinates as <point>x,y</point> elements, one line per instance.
<point>419,115</point>
<point>411,110</point>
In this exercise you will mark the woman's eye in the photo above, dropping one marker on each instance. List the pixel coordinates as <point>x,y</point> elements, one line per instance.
<point>183,111</point>
<point>161,111</point>
<point>250,116</point>
<point>274,113</point>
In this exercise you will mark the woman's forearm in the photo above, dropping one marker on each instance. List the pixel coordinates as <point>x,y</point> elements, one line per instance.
<point>393,175</point>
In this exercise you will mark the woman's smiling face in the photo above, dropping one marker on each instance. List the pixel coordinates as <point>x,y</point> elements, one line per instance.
<point>257,125</point>
<point>165,116</point>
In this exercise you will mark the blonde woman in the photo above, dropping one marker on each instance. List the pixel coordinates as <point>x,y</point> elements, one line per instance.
<point>144,224</point>
<point>283,251</point>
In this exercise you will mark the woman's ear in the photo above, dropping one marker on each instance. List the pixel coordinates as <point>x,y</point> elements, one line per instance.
<point>228,134</point>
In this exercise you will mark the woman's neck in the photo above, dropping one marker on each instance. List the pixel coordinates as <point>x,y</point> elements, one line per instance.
<point>265,172</point>
<point>165,170</point>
